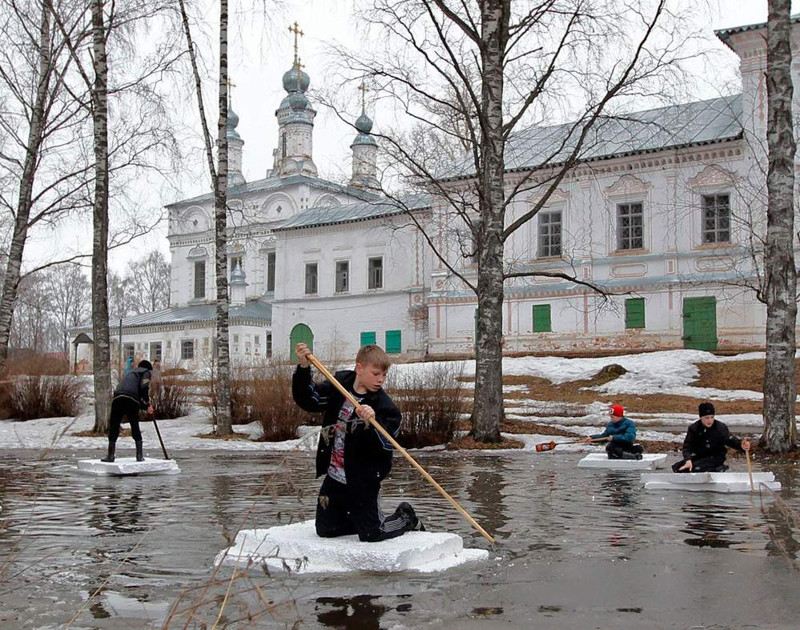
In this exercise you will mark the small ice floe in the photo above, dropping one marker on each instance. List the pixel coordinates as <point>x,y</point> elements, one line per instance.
<point>298,548</point>
<point>710,481</point>
<point>124,466</point>
<point>649,461</point>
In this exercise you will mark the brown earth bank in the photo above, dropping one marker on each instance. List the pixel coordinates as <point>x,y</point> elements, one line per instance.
<point>736,375</point>
<point>572,392</point>
<point>468,443</point>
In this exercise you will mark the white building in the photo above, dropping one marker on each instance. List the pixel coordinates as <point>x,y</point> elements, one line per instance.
<point>662,208</point>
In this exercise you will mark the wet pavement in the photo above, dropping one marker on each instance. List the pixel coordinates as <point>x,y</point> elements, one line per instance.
<point>578,548</point>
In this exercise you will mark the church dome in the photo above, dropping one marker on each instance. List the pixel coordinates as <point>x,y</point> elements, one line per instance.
<point>233,122</point>
<point>295,80</point>
<point>364,123</point>
<point>297,101</point>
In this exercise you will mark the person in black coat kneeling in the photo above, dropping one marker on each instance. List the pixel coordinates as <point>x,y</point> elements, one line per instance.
<point>132,394</point>
<point>704,449</point>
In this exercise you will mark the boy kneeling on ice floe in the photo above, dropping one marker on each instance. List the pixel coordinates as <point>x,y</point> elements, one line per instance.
<point>352,455</point>
<point>620,433</point>
<point>704,448</point>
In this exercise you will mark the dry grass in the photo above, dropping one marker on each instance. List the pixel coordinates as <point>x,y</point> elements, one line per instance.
<point>736,375</point>
<point>226,438</point>
<point>431,403</point>
<point>44,397</point>
<point>170,398</point>
<point>571,392</point>
<point>468,443</point>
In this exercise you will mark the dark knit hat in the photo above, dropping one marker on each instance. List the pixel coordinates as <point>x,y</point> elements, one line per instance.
<point>706,409</point>
<point>144,363</point>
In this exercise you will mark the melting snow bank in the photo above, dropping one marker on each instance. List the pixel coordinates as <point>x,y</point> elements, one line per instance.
<point>298,548</point>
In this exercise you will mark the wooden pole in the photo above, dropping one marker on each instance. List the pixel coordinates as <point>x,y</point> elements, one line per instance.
<point>750,471</point>
<point>158,433</point>
<point>323,370</point>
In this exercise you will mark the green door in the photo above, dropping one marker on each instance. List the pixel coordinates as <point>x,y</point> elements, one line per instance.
<point>301,334</point>
<point>700,323</point>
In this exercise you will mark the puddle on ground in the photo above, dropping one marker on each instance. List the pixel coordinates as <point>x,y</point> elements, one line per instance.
<point>574,546</point>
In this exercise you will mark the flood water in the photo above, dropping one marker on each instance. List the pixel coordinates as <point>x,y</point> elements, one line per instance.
<point>578,548</point>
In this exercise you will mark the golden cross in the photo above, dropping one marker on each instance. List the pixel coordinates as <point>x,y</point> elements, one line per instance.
<point>231,84</point>
<point>364,90</point>
<point>295,28</point>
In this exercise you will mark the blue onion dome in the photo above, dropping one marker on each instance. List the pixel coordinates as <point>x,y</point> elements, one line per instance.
<point>295,80</point>
<point>233,122</point>
<point>364,123</point>
<point>297,101</point>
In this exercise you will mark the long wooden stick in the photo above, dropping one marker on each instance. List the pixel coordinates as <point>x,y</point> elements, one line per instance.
<point>158,433</point>
<point>750,471</point>
<point>323,370</point>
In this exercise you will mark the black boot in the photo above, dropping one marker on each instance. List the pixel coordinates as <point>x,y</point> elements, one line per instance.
<point>139,455</point>
<point>110,457</point>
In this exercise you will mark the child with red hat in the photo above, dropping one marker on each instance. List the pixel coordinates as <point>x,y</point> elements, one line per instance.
<point>620,433</point>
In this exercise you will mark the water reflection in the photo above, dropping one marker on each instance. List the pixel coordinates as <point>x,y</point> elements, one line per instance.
<point>708,525</point>
<point>361,612</point>
<point>117,507</point>
<point>486,493</point>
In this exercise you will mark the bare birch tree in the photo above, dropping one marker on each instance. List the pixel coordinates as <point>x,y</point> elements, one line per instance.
<point>781,275</point>
<point>33,75</point>
<point>474,74</point>
<point>219,182</point>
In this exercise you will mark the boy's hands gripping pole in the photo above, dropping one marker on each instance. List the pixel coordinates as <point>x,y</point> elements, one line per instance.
<point>370,417</point>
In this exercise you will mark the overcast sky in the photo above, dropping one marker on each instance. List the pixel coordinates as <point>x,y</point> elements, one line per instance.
<point>259,55</point>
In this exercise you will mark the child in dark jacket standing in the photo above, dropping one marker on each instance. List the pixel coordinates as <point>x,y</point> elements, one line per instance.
<point>620,433</point>
<point>354,457</point>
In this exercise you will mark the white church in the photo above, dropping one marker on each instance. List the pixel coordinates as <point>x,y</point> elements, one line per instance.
<point>661,211</point>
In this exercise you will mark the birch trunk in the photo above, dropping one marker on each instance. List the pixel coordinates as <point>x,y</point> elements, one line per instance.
<point>102,351</point>
<point>20,234</point>
<point>488,402</point>
<point>781,280</point>
<point>221,227</point>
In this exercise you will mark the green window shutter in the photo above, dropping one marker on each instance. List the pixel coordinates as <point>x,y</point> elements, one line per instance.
<point>541,318</point>
<point>393,341</point>
<point>634,313</point>
<point>367,338</point>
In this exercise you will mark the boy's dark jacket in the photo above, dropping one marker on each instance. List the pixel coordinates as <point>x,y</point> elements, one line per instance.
<point>704,442</point>
<point>136,386</point>
<point>367,456</point>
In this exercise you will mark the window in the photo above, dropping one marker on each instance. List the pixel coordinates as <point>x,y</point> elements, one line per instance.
<point>393,341</point>
<point>236,339</point>
<point>257,340</point>
<point>247,347</point>
<point>199,279</point>
<point>630,226</point>
<point>549,234</point>
<point>716,218</point>
<point>375,273</point>
<point>367,339</point>
<point>271,271</point>
<point>155,351</point>
<point>269,345</point>
<point>342,276</point>
<point>128,350</point>
<point>541,318</point>
<point>311,278</point>
<point>187,349</point>
<point>634,313</point>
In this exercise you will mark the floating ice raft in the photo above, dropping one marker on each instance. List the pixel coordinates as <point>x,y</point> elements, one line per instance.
<point>709,481</point>
<point>304,552</point>
<point>649,461</point>
<point>124,466</point>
